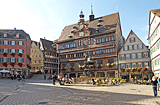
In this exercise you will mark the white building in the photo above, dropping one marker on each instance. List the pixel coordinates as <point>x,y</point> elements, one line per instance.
<point>154,40</point>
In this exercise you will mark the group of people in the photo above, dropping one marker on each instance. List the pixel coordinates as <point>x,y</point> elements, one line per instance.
<point>155,81</point>
<point>18,77</point>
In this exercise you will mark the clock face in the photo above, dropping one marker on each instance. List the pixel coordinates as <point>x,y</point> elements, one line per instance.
<point>80,33</point>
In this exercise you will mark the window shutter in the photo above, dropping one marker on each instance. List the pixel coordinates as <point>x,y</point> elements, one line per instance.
<point>142,55</point>
<point>132,47</point>
<point>22,51</point>
<point>148,54</point>
<point>124,56</point>
<point>15,43</point>
<point>2,59</point>
<point>128,47</point>
<point>142,46</point>
<point>3,42</point>
<point>22,43</point>
<point>7,59</point>
<point>10,50</point>
<point>0,41</point>
<point>125,65</point>
<point>148,64</point>
<point>130,56</point>
<point>123,48</point>
<point>17,60</point>
<point>11,43</point>
<point>18,42</point>
<point>7,50</point>
<point>0,50</point>
<point>136,55</point>
<point>22,60</point>
<point>137,46</point>
<point>142,64</point>
<point>10,59</point>
<point>17,50</point>
<point>119,57</point>
<point>129,39</point>
<point>136,65</point>
<point>131,65</point>
<point>8,42</point>
<point>134,39</point>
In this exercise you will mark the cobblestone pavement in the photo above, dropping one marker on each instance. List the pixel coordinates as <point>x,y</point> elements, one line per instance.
<point>37,91</point>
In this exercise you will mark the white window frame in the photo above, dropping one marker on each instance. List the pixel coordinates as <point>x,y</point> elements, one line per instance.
<point>5,42</point>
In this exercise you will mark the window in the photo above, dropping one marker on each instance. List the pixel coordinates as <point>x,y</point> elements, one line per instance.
<point>5,50</point>
<point>135,47</point>
<point>109,38</point>
<point>133,56</point>
<point>12,59</point>
<point>39,55</point>
<point>128,56</point>
<point>97,40</point>
<point>66,46</point>
<point>111,50</point>
<point>126,48</point>
<point>39,61</point>
<point>17,35</point>
<point>91,40</point>
<point>6,42</point>
<point>12,50</point>
<point>139,55</point>
<point>145,55</point>
<point>132,39</point>
<point>96,52</point>
<point>130,47</point>
<point>140,46</point>
<point>102,39</point>
<point>88,41</point>
<point>106,39</point>
<point>20,43</point>
<point>101,51</point>
<point>99,61</point>
<point>128,66</point>
<point>21,51</point>
<point>35,50</point>
<point>97,30</point>
<point>112,38</point>
<point>133,65</point>
<point>35,62</point>
<point>72,45</point>
<point>60,47</point>
<point>20,60</point>
<point>5,35</point>
<point>139,64</point>
<point>13,42</point>
<point>32,55</point>
<point>122,57</point>
<point>110,60</point>
<point>80,42</point>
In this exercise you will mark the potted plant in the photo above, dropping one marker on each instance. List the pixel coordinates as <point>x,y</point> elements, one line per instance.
<point>122,70</point>
<point>128,70</point>
<point>97,84</point>
<point>112,64</point>
<point>139,69</point>
<point>135,69</point>
<point>108,64</point>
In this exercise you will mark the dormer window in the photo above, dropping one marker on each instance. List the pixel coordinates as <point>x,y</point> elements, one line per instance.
<point>17,35</point>
<point>97,30</point>
<point>70,36</point>
<point>72,31</point>
<point>98,25</point>
<point>5,35</point>
<point>99,20</point>
<point>74,27</point>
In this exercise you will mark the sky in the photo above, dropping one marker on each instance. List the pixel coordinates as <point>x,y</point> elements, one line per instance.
<point>47,18</point>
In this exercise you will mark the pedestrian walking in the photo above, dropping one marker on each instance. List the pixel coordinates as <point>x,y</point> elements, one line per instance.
<point>23,78</point>
<point>44,77</point>
<point>12,76</point>
<point>158,83</point>
<point>154,85</point>
<point>54,79</point>
<point>19,77</point>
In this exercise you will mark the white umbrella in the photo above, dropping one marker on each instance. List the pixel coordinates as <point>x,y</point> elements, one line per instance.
<point>4,71</point>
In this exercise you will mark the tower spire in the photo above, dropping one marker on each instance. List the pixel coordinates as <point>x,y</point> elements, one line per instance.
<point>91,10</point>
<point>91,16</point>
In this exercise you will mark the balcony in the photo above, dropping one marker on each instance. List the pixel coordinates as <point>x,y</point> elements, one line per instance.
<point>5,53</point>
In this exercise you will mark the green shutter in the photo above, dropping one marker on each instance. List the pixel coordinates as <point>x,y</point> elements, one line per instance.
<point>124,56</point>
<point>142,55</point>
<point>131,65</point>
<point>136,55</point>
<point>130,56</point>
<point>132,47</point>
<point>142,64</point>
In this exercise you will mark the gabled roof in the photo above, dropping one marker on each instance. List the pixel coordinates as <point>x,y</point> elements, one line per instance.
<point>36,43</point>
<point>156,12</point>
<point>13,33</point>
<point>109,22</point>
<point>128,39</point>
<point>47,45</point>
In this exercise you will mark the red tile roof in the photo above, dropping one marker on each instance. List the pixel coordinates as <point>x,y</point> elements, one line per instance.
<point>108,23</point>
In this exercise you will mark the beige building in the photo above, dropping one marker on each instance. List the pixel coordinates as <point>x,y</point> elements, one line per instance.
<point>134,59</point>
<point>36,58</point>
<point>154,40</point>
<point>100,37</point>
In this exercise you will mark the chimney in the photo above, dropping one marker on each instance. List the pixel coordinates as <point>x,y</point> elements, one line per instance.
<point>14,28</point>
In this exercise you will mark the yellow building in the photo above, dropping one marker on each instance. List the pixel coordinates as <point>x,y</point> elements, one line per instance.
<point>37,58</point>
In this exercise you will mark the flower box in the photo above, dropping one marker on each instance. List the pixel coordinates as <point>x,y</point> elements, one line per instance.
<point>108,64</point>
<point>5,54</point>
<point>20,54</point>
<point>135,69</point>
<point>128,70</point>
<point>112,64</point>
<point>5,64</point>
<point>13,54</point>
<point>122,70</point>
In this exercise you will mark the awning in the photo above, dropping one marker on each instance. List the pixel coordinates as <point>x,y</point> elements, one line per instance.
<point>157,72</point>
<point>4,71</point>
